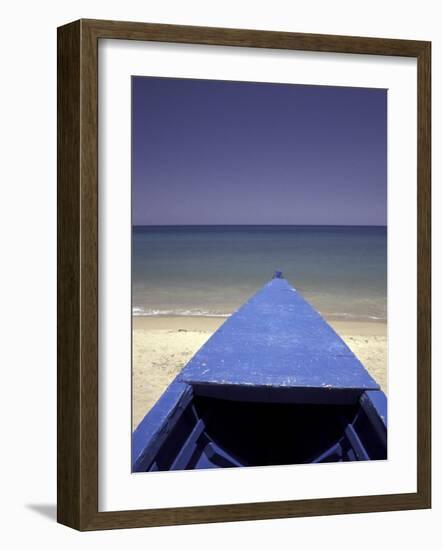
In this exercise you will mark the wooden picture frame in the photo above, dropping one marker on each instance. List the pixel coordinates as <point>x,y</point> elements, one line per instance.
<point>78,274</point>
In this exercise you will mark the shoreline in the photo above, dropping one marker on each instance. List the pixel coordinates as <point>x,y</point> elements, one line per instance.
<point>162,346</point>
<point>200,322</point>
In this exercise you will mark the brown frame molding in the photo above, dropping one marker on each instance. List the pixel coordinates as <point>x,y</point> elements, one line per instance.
<point>77,224</point>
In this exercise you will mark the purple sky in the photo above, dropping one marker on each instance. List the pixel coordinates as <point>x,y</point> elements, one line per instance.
<point>215,152</point>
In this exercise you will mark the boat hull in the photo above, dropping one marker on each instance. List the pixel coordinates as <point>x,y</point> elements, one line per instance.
<point>210,432</point>
<point>273,385</point>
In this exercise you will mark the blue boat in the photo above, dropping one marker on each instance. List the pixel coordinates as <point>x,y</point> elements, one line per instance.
<point>274,385</point>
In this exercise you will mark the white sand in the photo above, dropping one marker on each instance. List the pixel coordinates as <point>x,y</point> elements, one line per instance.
<point>163,345</point>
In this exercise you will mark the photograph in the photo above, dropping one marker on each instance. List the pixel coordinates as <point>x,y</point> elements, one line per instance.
<point>259,274</point>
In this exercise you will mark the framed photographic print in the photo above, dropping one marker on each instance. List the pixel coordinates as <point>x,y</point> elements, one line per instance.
<point>243,274</point>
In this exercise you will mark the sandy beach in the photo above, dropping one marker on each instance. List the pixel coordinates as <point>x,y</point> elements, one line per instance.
<point>163,345</point>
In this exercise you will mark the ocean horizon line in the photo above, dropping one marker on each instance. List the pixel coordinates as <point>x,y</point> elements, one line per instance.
<point>214,269</point>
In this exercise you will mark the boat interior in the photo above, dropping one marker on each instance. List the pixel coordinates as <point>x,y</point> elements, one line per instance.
<point>219,433</point>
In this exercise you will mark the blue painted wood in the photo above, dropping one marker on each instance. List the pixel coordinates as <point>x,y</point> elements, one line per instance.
<point>277,339</point>
<point>333,454</point>
<point>157,424</point>
<point>356,443</point>
<point>375,405</point>
<point>189,447</point>
<point>216,455</point>
<point>276,351</point>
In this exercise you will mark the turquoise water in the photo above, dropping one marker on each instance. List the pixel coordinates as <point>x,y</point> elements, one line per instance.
<point>212,270</point>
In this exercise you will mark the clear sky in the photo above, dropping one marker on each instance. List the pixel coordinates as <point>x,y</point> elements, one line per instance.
<point>216,152</point>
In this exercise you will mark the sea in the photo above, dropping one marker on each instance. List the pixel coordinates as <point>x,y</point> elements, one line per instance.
<point>211,271</point>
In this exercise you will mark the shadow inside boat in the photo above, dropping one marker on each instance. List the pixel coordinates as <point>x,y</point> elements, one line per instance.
<point>220,433</point>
